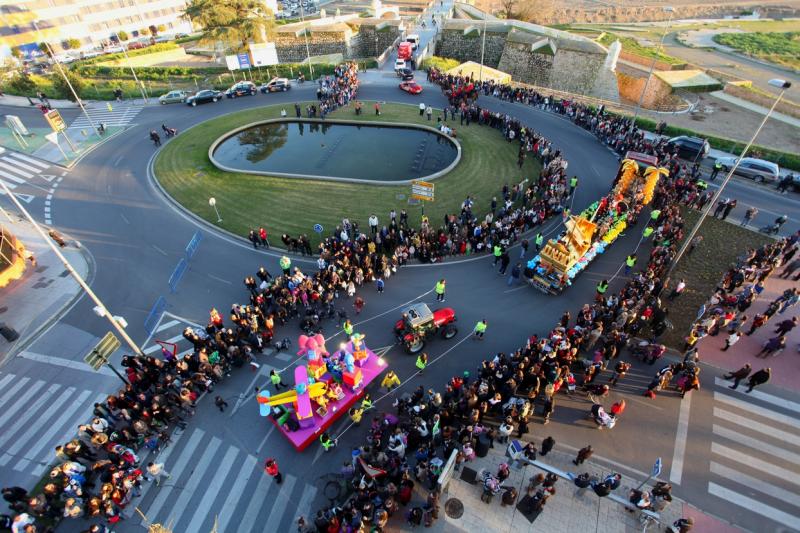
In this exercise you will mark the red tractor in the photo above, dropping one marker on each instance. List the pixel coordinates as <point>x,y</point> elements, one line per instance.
<point>419,324</point>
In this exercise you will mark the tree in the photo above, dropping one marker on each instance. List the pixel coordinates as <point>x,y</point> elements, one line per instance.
<point>44,49</point>
<point>144,32</point>
<point>23,84</point>
<point>17,52</point>
<point>233,22</point>
<point>71,44</point>
<point>123,35</point>
<point>162,28</point>
<point>61,87</point>
<point>153,29</point>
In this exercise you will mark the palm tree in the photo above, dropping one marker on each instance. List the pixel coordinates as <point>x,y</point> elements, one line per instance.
<point>233,22</point>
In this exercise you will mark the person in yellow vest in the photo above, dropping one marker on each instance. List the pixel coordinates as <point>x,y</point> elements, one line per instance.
<point>654,214</point>
<point>390,380</point>
<point>327,442</point>
<point>647,232</point>
<point>348,328</point>
<point>366,402</point>
<point>602,287</point>
<point>422,361</point>
<point>480,329</point>
<point>356,413</point>
<point>439,289</point>
<point>630,262</point>
<point>497,251</point>
<point>539,241</point>
<point>573,182</point>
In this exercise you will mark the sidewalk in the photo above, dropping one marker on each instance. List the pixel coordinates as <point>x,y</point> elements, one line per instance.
<point>755,108</point>
<point>22,101</point>
<point>785,365</point>
<point>37,300</point>
<point>566,511</point>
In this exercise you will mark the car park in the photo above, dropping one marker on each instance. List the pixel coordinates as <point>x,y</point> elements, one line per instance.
<point>203,97</point>
<point>689,148</point>
<point>411,87</point>
<point>241,89</point>
<point>276,85</point>
<point>750,167</point>
<point>173,97</point>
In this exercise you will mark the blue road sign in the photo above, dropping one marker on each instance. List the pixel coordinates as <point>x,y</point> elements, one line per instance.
<point>318,228</point>
<point>244,61</point>
<point>657,468</point>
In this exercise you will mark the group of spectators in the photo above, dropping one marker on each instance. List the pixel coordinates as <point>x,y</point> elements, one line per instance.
<point>338,90</point>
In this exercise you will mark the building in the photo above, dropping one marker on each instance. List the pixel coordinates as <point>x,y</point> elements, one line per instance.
<point>92,22</point>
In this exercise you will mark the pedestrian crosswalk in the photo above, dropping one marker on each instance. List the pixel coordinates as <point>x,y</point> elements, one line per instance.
<point>213,481</point>
<point>18,169</point>
<point>120,114</point>
<point>755,451</point>
<point>36,417</point>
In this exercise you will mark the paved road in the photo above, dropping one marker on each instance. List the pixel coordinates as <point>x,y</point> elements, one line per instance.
<point>136,239</point>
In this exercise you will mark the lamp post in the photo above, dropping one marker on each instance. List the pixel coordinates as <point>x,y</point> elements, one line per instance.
<point>783,86</point>
<point>483,49</point>
<point>101,309</point>
<point>213,203</point>
<point>305,34</point>
<point>128,61</point>
<point>670,10</point>
<point>64,75</point>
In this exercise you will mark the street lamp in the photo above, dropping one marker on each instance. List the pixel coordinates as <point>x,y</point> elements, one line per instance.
<point>305,34</point>
<point>670,10</point>
<point>483,49</point>
<point>128,61</point>
<point>213,203</point>
<point>63,75</point>
<point>783,85</point>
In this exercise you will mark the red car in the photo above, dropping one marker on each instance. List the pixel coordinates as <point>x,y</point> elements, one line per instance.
<point>411,87</point>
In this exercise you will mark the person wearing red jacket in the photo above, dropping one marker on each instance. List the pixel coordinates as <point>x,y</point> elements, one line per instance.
<point>271,468</point>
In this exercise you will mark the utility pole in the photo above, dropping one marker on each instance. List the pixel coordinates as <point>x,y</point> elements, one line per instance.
<point>130,65</point>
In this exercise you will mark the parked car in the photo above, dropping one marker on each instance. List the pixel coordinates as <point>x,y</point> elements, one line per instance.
<point>113,49</point>
<point>63,58</point>
<point>91,53</point>
<point>405,74</point>
<point>173,97</point>
<point>750,167</point>
<point>203,97</point>
<point>181,35</point>
<point>136,45</point>
<point>240,89</point>
<point>411,87</point>
<point>690,148</point>
<point>399,64</point>
<point>276,85</point>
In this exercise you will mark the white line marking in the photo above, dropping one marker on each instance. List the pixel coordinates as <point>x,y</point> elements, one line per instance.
<point>248,519</point>
<point>754,506</point>
<point>211,491</point>
<point>676,470</point>
<point>755,463</point>
<point>757,426</point>
<point>154,348</point>
<point>20,164</point>
<point>66,363</point>
<point>264,370</point>
<point>212,276</point>
<point>125,218</point>
<point>761,446</point>
<point>234,495</point>
<point>764,397</point>
<point>11,177</point>
<point>159,250</point>
<point>264,440</point>
<point>16,170</point>
<point>167,325</point>
<point>6,379</point>
<point>754,483</point>
<point>30,410</point>
<point>184,458</point>
<point>282,501</point>
<point>30,160</point>
<point>304,504</point>
<point>766,413</point>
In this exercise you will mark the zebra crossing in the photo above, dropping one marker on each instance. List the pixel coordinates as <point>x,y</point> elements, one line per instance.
<point>120,114</point>
<point>37,416</point>
<point>18,169</point>
<point>755,451</point>
<point>216,482</point>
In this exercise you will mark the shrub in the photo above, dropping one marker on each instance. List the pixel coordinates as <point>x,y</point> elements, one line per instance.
<point>160,47</point>
<point>441,63</point>
<point>22,84</point>
<point>63,90</point>
<point>123,35</point>
<point>71,44</point>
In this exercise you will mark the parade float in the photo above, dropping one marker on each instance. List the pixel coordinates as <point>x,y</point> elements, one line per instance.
<point>588,234</point>
<point>325,388</point>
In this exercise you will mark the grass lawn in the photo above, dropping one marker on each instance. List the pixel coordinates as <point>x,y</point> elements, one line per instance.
<point>293,206</point>
<point>722,244</point>
<point>779,48</point>
<point>632,46</point>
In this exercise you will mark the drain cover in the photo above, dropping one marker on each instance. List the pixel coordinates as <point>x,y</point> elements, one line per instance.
<point>454,508</point>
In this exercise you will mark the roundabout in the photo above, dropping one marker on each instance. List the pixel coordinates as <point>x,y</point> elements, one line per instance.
<point>293,205</point>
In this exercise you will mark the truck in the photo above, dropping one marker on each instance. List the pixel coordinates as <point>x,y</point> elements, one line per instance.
<point>588,234</point>
<point>413,38</point>
<point>404,51</point>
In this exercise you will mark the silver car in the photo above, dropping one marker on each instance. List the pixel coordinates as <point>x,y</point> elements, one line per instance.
<point>755,169</point>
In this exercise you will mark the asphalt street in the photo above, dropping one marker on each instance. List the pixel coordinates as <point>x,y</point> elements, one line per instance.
<point>136,237</point>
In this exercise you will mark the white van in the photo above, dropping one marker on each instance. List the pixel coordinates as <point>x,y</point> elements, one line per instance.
<point>413,39</point>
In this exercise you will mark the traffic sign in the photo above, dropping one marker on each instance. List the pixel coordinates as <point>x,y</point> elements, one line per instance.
<point>656,468</point>
<point>103,351</point>
<point>318,228</point>
<point>244,60</point>
<point>422,190</point>
<point>53,118</point>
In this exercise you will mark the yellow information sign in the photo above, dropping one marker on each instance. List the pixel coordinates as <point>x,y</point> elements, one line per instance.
<point>53,118</point>
<point>103,351</point>
<point>422,190</point>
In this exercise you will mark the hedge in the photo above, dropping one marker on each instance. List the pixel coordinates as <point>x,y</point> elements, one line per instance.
<point>152,49</point>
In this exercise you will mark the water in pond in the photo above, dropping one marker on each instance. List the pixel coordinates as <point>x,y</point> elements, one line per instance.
<point>377,153</point>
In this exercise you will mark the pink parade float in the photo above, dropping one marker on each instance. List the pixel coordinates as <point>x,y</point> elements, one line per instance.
<point>331,382</point>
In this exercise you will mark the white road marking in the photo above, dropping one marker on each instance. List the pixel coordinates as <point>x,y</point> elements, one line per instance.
<point>235,493</point>
<point>755,463</point>
<point>754,506</point>
<point>16,170</point>
<point>757,484</point>
<point>30,160</point>
<point>211,491</point>
<point>185,457</point>
<point>764,397</point>
<point>66,363</point>
<point>766,413</point>
<point>248,519</point>
<point>167,325</point>
<point>760,446</point>
<point>30,409</point>
<point>676,470</point>
<point>757,426</point>
<point>282,501</point>
<point>304,503</point>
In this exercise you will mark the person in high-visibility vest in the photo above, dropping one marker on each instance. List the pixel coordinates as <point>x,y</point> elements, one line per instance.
<point>348,328</point>
<point>422,361</point>
<point>539,241</point>
<point>648,231</point>
<point>497,251</point>
<point>286,265</point>
<point>717,168</point>
<point>702,185</point>
<point>327,442</point>
<point>602,287</point>
<point>366,402</point>
<point>275,378</point>
<point>654,214</point>
<point>355,415</point>
<point>390,380</point>
<point>439,289</point>
<point>630,262</point>
<point>480,329</point>
<point>572,184</point>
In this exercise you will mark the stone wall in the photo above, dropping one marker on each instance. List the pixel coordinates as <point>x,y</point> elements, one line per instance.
<point>352,41</point>
<point>292,48</point>
<point>526,66</point>
<point>575,71</point>
<point>631,86</point>
<point>453,43</point>
<point>363,43</point>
